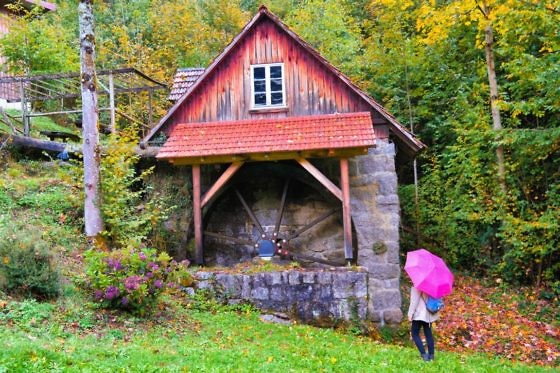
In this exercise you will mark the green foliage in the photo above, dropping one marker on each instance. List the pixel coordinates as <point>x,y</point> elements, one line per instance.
<point>27,267</point>
<point>27,313</point>
<point>130,209</point>
<point>440,87</point>
<point>330,27</point>
<point>36,43</point>
<point>132,279</point>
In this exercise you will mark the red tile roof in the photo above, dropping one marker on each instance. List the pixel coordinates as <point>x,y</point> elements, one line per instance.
<point>332,131</point>
<point>183,79</point>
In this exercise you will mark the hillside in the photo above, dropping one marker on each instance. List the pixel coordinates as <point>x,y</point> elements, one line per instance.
<point>481,316</point>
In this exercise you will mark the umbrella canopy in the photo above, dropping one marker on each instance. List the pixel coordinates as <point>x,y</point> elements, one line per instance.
<point>429,273</point>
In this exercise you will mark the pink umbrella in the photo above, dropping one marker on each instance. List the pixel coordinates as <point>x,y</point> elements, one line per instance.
<point>429,273</point>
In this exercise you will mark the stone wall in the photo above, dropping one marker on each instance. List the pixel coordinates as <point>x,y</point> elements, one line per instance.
<point>376,219</point>
<point>311,296</point>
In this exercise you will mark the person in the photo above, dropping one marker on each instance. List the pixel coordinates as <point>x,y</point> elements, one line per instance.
<point>421,318</point>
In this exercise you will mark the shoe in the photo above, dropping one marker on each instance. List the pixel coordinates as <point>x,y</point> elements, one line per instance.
<point>431,357</point>
<point>426,357</point>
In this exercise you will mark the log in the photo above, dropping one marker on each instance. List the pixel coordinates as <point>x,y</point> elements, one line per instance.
<point>53,146</point>
<point>30,142</point>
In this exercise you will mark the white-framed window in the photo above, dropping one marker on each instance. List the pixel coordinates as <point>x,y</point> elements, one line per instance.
<point>267,86</point>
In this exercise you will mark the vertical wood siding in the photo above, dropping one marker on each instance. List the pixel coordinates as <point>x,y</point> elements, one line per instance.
<point>311,88</point>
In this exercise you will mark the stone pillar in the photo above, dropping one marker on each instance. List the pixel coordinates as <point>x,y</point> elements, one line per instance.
<point>376,218</point>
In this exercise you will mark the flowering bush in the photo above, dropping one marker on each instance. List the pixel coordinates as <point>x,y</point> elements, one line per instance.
<point>133,279</point>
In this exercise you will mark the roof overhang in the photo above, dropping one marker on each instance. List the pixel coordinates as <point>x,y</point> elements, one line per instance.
<point>318,136</point>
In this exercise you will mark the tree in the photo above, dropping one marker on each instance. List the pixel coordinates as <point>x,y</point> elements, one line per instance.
<point>90,148</point>
<point>37,43</point>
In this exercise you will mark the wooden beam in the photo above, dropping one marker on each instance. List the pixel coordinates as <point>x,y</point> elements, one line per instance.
<point>112,126</point>
<point>276,156</point>
<point>320,177</point>
<point>24,117</point>
<point>346,210</point>
<point>197,212</point>
<point>218,185</point>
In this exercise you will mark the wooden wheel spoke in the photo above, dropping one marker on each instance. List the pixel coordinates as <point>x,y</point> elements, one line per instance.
<point>229,238</point>
<point>313,223</point>
<point>249,212</point>
<point>282,205</point>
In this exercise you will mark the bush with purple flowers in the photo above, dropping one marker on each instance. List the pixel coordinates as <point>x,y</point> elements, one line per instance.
<point>133,279</point>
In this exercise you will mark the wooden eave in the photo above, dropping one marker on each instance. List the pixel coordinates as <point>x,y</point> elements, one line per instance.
<point>265,156</point>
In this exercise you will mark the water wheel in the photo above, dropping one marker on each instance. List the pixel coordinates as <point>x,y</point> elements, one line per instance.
<point>274,209</point>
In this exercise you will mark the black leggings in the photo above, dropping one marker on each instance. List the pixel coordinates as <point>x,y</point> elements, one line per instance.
<point>415,331</point>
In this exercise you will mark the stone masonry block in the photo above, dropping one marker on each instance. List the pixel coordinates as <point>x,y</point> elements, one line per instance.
<point>294,278</point>
<point>386,300</point>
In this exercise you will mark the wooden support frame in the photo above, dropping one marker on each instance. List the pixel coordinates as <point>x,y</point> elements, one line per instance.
<point>219,184</point>
<point>197,212</point>
<point>331,187</point>
<point>342,193</point>
<point>346,210</point>
<point>200,201</point>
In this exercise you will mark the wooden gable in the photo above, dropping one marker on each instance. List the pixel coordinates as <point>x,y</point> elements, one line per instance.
<point>312,85</point>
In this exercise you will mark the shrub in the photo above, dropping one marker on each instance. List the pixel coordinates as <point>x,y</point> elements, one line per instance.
<point>130,209</point>
<point>133,279</point>
<point>27,265</point>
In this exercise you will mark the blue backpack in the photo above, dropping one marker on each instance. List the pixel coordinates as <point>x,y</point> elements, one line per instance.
<point>433,305</point>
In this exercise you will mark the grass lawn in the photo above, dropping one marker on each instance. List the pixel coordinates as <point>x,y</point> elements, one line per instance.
<point>70,337</point>
<point>37,124</point>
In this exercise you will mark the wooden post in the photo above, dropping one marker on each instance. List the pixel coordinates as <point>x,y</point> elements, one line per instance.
<point>197,212</point>
<point>24,116</point>
<point>113,126</point>
<point>346,213</point>
<point>150,108</point>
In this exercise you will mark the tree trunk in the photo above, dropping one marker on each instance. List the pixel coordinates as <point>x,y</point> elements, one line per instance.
<point>494,96</point>
<point>91,150</point>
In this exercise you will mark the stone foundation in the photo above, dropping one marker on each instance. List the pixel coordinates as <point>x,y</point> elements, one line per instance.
<point>324,297</point>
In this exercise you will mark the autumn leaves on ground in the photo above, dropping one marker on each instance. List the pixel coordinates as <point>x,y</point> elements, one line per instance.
<point>501,322</point>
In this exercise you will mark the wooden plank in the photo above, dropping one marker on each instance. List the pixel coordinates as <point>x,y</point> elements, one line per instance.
<point>331,187</point>
<point>222,180</point>
<point>112,126</point>
<point>346,210</point>
<point>197,212</point>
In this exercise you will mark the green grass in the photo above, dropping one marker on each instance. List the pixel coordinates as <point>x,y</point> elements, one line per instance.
<point>37,124</point>
<point>42,198</point>
<point>71,337</point>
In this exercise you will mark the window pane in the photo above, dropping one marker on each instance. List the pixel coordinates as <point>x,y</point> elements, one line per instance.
<point>260,86</point>
<point>258,73</point>
<point>276,85</point>
<point>276,98</point>
<point>276,71</point>
<point>260,99</point>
